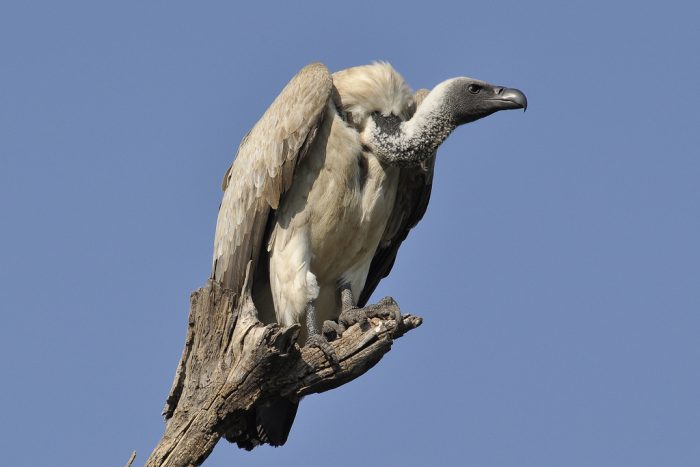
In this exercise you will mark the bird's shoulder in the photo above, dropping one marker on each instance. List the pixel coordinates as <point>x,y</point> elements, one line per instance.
<point>376,87</point>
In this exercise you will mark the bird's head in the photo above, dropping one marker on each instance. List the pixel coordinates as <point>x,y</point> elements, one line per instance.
<point>438,112</point>
<point>468,99</point>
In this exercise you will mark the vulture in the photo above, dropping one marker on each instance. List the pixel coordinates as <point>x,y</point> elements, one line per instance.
<point>325,188</point>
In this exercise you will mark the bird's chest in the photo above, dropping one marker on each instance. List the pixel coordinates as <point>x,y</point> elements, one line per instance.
<point>338,207</point>
<point>348,205</point>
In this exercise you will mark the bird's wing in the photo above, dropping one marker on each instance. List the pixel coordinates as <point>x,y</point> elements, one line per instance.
<point>415,184</point>
<point>263,171</point>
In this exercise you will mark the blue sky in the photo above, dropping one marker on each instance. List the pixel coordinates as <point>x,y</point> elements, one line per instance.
<point>557,268</point>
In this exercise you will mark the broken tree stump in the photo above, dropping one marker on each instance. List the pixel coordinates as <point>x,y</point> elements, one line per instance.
<point>233,366</point>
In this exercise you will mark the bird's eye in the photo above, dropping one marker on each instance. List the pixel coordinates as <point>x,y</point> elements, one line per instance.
<point>474,88</point>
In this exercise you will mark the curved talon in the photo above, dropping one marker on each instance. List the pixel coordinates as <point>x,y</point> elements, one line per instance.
<point>332,330</point>
<point>320,342</point>
<point>399,321</point>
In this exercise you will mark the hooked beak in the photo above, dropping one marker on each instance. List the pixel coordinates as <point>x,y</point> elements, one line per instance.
<point>509,98</point>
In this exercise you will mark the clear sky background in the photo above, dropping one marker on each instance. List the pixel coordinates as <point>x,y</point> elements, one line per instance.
<point>557,268</point>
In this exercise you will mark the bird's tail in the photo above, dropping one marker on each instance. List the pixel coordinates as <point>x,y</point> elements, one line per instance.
<point>270,423</point>
<point>274,420</point>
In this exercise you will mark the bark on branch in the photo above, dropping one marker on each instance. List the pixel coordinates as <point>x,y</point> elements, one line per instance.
<point>233,367</point>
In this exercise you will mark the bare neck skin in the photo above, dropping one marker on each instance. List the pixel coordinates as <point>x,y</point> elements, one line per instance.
<point>409,143</point>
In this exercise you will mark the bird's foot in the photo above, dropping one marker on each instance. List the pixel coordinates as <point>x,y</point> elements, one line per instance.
<point>359,315</point>
<point>396,312</point>
<point>331,330</point>
<point>320,342</point>
<point>350,316</point>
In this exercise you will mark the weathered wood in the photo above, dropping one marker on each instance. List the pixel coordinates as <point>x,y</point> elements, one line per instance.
<point>131,459</point>
<point>232,365</point>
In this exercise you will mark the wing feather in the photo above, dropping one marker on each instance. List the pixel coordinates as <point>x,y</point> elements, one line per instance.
<point>263,171</point>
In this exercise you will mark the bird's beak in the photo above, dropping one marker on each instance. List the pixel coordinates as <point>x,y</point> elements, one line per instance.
<point>509,98</point>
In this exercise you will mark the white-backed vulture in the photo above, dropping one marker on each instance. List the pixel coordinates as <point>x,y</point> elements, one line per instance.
<point>329,182</point>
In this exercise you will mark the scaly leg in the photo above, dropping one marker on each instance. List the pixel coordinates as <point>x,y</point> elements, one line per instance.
<point>332,329</point>
<point>346,298</point>
<point>350,314</point>
<point>315,338</point>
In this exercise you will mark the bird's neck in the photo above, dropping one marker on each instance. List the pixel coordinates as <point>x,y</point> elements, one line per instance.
<point>411,142</point>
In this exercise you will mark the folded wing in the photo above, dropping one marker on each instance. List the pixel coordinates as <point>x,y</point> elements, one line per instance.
<point>263,171</point>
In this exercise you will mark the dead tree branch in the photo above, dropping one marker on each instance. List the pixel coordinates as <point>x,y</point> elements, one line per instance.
<point>233,366</point>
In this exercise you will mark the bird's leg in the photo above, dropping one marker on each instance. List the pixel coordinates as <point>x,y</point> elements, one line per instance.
<point>350,314</point>
<point>311,325</point>
<point>315,338</point>
<point>346,297</point>
<point>332,329</point>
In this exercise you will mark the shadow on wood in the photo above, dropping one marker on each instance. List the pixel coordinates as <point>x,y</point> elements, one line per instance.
<point>234,368</point>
